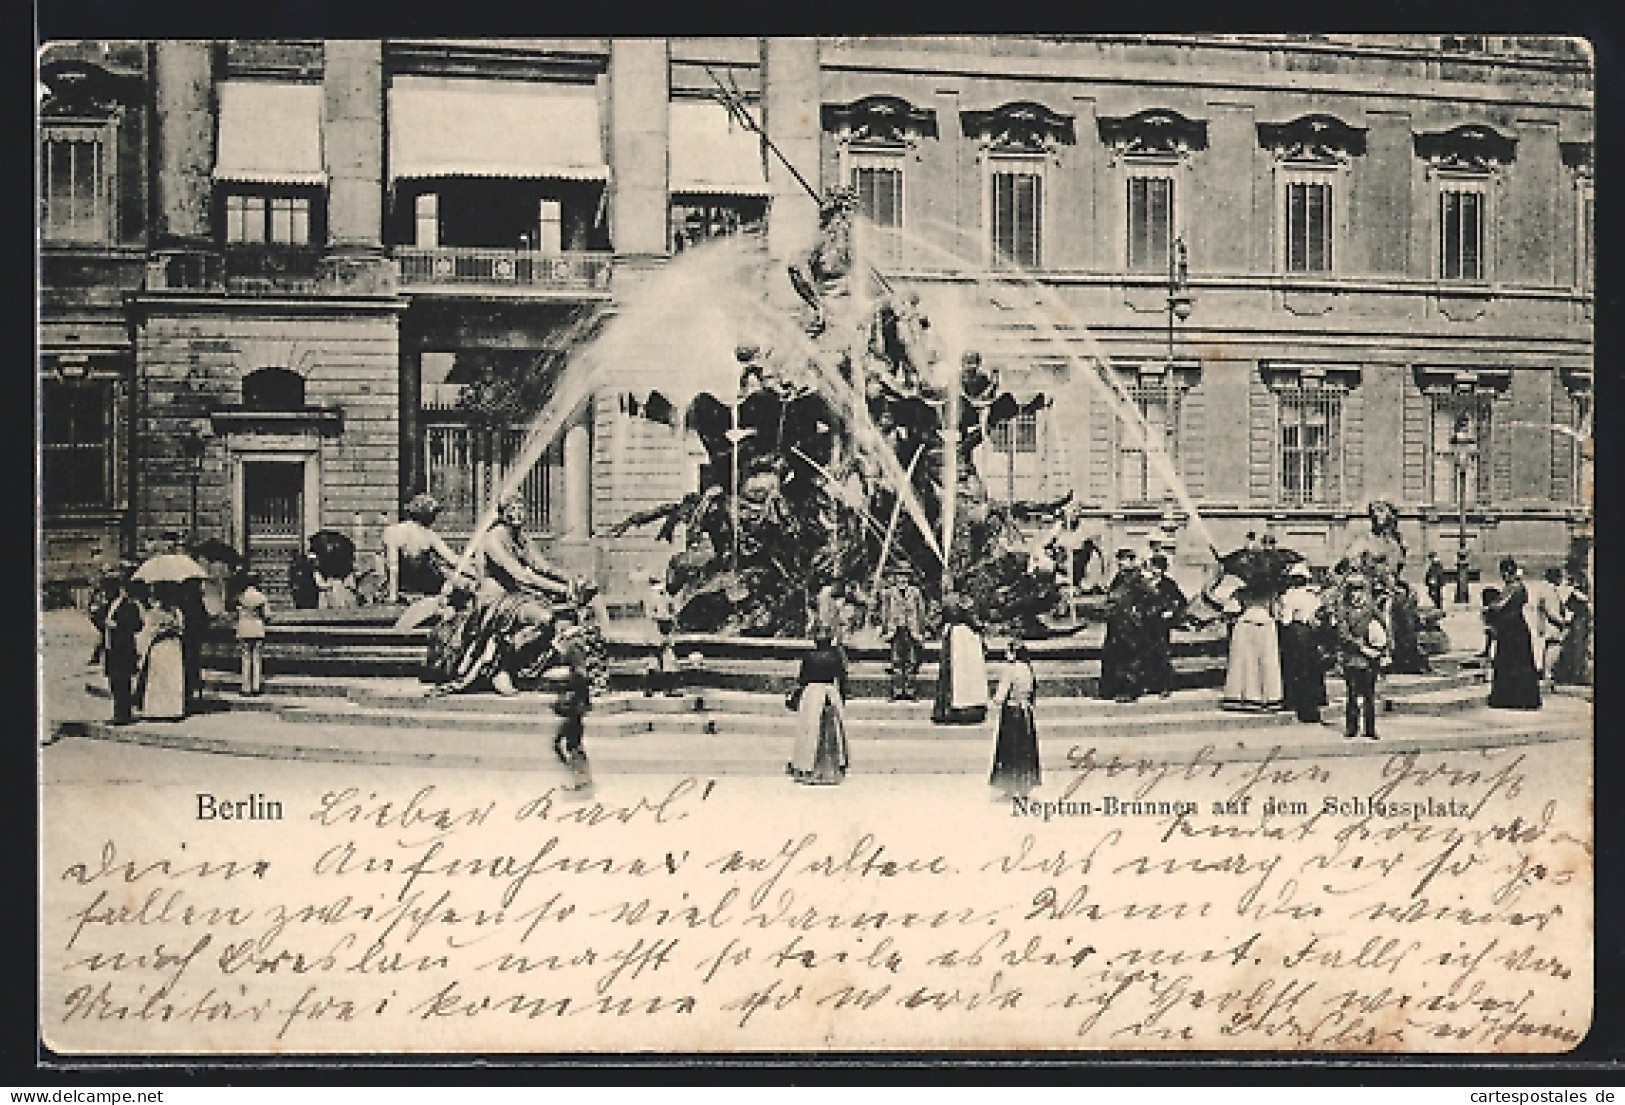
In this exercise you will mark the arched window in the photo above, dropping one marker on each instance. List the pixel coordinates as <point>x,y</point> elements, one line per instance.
<point>274,389</point>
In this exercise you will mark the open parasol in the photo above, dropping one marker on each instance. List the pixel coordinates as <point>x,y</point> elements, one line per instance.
<point>217,551</point>
<point>1260,569</point>
<point>334,553</point>
<point>169,568</point>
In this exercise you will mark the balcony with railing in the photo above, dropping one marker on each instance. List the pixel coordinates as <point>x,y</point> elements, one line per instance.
<point>272,269</point>
<point>257,269</point>
<point>454,270</point>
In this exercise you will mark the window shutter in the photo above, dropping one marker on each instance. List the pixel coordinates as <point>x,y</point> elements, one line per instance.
<point>1500,448</point>
<point>1102,438</point>
<point>1353,445</point>
<point>1416,443</point>
<point>1192,447</point>
<point>1261,439</point>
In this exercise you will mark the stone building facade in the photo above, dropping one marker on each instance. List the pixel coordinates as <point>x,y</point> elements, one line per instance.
<point>1318,270</point>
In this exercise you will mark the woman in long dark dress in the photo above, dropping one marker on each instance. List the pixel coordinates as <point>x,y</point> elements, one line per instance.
<point>821,752</point>
<point>1573,666</point>
<point>1514,678</point>
<point>1015,751</point>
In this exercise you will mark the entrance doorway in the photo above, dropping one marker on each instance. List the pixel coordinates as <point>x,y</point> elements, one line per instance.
<point>273,522</point>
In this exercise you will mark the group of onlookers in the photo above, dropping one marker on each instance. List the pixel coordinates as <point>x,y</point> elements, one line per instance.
<point>1536,633</point>
<point>821,753</point>
<point>150,642</point>
<point>1283,643</point>
<point>508,615</point>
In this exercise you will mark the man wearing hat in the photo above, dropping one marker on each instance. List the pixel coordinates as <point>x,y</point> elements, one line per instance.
<point>902,621</point>
<point>1361,639</point>
<point>121,627</point>
<point>1122,659</point>
<point>1165,605</point>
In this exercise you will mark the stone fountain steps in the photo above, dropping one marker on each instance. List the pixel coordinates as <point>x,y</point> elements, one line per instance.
<point>403,705</point>
<point>543,723</point>
<point>768,686</point>
<point>363,643</point>
<point>868,678</point>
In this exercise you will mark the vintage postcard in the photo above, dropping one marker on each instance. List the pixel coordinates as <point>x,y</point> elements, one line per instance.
<point>696,545</point>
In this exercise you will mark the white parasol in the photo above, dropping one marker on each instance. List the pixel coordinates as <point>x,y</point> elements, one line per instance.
<point>170,568</point>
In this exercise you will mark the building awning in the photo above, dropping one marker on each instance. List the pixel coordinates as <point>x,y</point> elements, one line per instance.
<point>447,126</point>
<point>270,133</point>
<point>712,153</point>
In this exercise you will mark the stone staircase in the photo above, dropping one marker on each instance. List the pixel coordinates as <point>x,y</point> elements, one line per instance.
<point>362,644</point>
<point>746,715</point>
<point>393,721</point>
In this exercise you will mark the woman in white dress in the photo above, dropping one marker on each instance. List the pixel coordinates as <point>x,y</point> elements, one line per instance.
<point>821,752</point>
<point>161,689</point>
<point>1253,678</point>
<point>961,670</point>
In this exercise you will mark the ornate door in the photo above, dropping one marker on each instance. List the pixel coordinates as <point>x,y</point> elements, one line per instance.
<point>273,518</point>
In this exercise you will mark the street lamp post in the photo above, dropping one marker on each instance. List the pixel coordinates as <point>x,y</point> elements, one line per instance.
<point>1464,444</point>
<point>1179,309</point>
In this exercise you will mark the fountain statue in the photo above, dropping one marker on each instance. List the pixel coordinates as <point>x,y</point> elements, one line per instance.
<point>812,460</point>
<point>1380,556</point>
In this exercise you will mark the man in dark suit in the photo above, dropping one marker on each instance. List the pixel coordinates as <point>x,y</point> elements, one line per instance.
<point>119,655</point>
<point>1122,656</point>
<point>1433,580</point>
<point>1165,605</point>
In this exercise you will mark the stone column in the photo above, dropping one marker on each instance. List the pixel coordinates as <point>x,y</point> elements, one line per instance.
<point>638,136</point>
<point>791,101</point>
<point>577,520</point>
<point>183,80</point>
<point>353,147</point>
<point>410,382</point>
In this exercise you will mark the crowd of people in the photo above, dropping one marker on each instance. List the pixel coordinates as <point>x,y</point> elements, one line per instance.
<point>1537,633</point>
<point>504,617</point>
<point>150,636</point>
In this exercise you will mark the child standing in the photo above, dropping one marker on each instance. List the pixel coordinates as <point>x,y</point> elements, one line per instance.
<point>664,674</point>
<point>251,610</point>
<point>1489,597</point>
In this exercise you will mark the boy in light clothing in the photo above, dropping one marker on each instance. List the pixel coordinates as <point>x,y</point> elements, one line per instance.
<point>251,610</point>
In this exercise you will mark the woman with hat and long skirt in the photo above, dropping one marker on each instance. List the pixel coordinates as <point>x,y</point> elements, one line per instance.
<point>821,752</point>
<point>1514,676</point>
<point>1303,675</point>
<point>961,669</point>
<point>1252,680</point>
<point>1015,749</point>
<point>162,680</point>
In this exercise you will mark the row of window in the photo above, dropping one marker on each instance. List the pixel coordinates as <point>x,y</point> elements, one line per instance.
<point>80,441</point>
<point>77,206</point>
<point>1308,227</point>
<point>1311,455</point>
